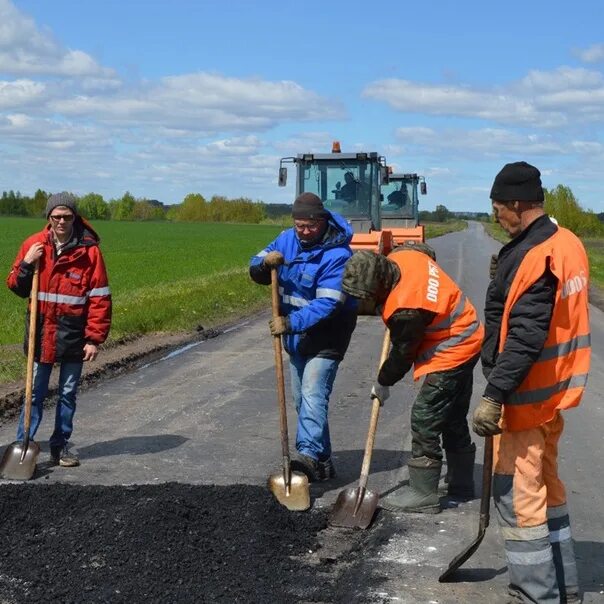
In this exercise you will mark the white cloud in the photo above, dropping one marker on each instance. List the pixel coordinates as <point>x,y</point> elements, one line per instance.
<point>593,54</point>
<point>25,50</point>
<point>541,99</point>
<point>204,103</point>
<point>20,93</point>
<point>493,142</point>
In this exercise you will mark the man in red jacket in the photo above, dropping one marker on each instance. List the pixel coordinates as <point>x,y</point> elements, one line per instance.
<point>74,311</point>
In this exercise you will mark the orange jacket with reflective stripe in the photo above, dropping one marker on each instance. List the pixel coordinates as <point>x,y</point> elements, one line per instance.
<point>455,335</point>
<point>558,377</point>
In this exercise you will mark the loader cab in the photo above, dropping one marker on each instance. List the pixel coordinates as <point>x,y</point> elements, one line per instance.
<point>400,200</point>
<point>347,183</point>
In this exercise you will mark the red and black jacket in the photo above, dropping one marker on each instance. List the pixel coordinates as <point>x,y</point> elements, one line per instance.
<point>74,296</point>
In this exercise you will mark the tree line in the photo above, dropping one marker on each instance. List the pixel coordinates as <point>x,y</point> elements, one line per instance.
<point>194,208</point>
<point>560,202</point>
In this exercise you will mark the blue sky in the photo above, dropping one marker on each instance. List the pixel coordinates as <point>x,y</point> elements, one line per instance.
<point>167,98</point>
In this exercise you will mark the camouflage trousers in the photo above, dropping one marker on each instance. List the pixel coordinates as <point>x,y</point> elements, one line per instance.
<point>440,410</point>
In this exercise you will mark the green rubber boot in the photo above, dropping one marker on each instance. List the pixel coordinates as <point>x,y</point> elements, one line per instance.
<point>460,473</point>
<point>421,495</point>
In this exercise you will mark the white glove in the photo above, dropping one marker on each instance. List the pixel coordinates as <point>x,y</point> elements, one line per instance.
<point>382,393</point>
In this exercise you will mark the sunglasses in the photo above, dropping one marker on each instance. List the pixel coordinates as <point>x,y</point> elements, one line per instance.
<point>59,217</point>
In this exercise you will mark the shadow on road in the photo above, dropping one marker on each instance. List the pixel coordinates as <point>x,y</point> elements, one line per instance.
<point>348,465</point>
<point>476,575</point>
<point>132,445</point>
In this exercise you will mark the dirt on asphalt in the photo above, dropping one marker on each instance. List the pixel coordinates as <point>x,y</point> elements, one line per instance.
<point>171,543</point>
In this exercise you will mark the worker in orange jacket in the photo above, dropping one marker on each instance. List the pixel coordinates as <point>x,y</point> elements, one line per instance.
<point>435,329</point>
<point>536,359</point>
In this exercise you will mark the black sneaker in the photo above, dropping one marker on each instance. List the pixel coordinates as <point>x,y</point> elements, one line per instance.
<point>62,456</point>
<point>305,464</point>
<point>327,470</point>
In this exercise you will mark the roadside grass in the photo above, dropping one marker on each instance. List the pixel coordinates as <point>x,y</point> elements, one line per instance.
<point>594,247</point>
<point>436,229</point>
<point>496,232</point>
<point>595,253</point>
<point>163,276</point>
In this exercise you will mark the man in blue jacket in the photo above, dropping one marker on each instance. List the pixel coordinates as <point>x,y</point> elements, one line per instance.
<point>316,319</point>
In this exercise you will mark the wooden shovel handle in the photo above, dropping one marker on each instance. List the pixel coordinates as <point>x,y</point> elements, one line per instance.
<point>31,349</point>
<point>279,368</point>
<point>375,414</point>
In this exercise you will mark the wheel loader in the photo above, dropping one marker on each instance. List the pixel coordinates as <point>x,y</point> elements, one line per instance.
<point>354,185</point>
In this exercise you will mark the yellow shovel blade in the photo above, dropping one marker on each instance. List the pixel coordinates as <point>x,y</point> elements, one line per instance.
<point>11,466</point>
<point>298,497</point>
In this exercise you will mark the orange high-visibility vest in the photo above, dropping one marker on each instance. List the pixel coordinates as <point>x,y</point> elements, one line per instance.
<point>455,335</point>
<point>557,378</point>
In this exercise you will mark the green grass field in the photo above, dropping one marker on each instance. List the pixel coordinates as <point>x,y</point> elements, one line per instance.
<point>594,247</point>
<point>164,277</point>
<point>436,229</point>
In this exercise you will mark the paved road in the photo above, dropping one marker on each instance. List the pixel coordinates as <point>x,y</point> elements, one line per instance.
<point>207,414</point>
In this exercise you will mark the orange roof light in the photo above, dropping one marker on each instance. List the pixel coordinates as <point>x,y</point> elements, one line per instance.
<point>335,147</point>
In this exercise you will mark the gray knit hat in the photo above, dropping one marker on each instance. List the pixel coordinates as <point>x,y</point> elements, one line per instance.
<point>61,199</point>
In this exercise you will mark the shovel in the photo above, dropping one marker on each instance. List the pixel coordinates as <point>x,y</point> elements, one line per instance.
<point>354,508</point>
<point>485,505</point>
<point>19,459</point>
<point>289,488</point>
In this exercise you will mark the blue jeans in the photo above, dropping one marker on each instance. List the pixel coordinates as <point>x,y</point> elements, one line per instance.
<point>312,379</point>
<point>69,377</point>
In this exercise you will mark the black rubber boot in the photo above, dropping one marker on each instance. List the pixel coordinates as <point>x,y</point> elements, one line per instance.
<point>327,469</point>
<point>305,464</point>
<point>421,495</point>
<point>460,473</point>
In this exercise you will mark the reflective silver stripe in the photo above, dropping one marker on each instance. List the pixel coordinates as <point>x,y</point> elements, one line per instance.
<point>543,394</point>
<point>325,292</point>
<point>262,254</point>
<point>529,533</point>
<point>562,534</point>
<point>61,298</point>
<point>560,350</point>
<point>99,291</point>
<point>544,555</point>
<point>293,300</point>
<point>558,511</point>
<point>449,342</point>
<point>448,321</point>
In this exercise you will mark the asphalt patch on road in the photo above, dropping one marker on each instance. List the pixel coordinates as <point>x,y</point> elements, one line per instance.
<point>168,543</point>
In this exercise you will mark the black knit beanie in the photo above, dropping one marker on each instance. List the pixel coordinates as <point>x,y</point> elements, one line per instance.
<point>308,205</point>
<point>518,182</point>
<point>61,199</point>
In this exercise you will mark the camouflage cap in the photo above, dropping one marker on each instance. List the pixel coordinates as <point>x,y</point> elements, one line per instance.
<point>418,246</point>
<point>368,275</point>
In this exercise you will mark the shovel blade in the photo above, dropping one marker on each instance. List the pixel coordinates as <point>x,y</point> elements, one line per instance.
<point>461,558</point>
<point>343,512</point>
<point>297,498</point>
<point>11,466</point>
